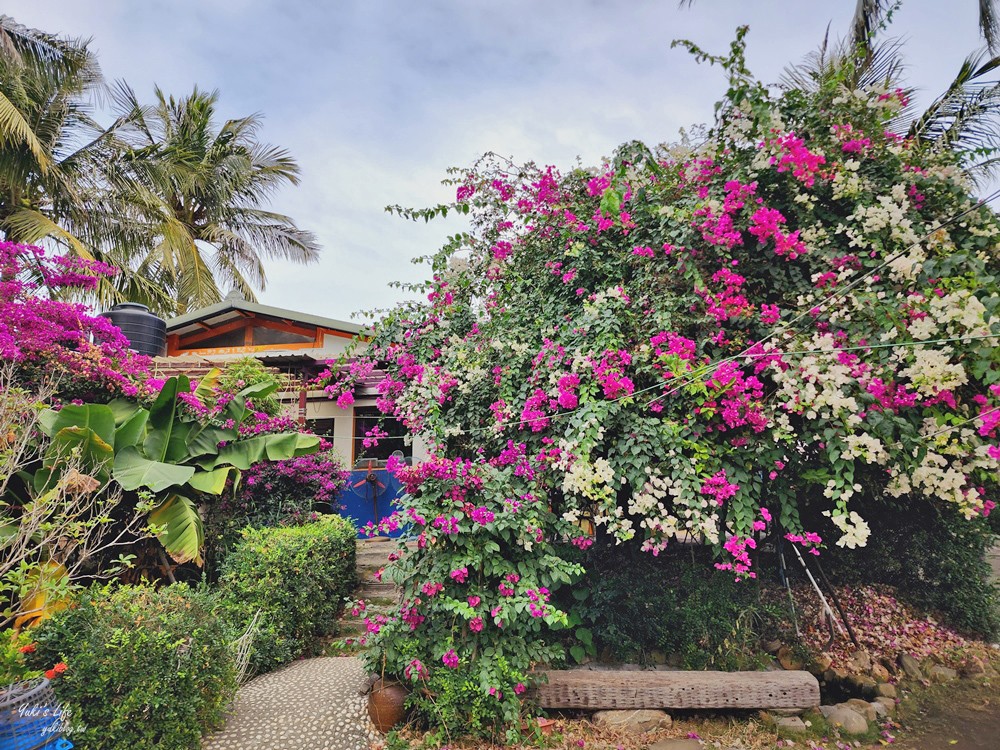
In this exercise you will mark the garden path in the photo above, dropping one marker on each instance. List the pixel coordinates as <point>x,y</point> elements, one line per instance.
<point>311,704</point>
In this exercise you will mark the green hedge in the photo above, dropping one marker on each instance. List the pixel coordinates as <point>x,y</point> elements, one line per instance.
<point>297,577</point>
<point>146,668</point>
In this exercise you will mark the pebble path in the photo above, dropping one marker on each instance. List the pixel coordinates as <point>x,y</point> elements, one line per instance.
<point>312,704</point>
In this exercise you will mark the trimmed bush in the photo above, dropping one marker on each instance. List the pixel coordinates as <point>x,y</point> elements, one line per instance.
<point>676,603</point>
<point>145,668</point>
<point>297,577</point>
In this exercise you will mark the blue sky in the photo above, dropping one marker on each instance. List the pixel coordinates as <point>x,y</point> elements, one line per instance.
<point>377,98</point>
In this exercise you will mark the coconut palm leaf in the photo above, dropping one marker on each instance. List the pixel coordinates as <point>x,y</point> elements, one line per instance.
<point>966,117</point>
<point>198,189</point>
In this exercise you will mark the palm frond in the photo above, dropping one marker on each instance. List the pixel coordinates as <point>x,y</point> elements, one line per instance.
<point>31,226</point>
<point>14,128</point>
<point>966,116</point>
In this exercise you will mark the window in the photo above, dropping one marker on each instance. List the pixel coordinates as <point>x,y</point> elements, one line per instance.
<point>367,418</point>
<point>222,340</point>
<point>263,336</point>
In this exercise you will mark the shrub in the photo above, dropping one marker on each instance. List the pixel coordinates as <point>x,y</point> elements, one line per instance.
<point>274,493</point>
<point>248,371</point>
<point>297,577</point>
<point>145,668</point>
<point>635,604</point>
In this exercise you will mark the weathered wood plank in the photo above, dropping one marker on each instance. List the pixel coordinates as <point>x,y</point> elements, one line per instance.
<point>613,689</point>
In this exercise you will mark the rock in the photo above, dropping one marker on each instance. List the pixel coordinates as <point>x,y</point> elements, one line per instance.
<point>788,660</point>
<point>657,657</point>
<point>890,666</point>
<point>848,720</point>
<point>826,710</point>
<point>888,703</point>
<point>862,685</point>
<point>911,667</point>
<point>834,676</point>
<point>771,647</point>
<point>862,707</point>
<point>971,666</point>
<point>939,673</point>
<point>787,711</point>
<point>886,690</point>
<point>636,722</point>
<point>676,744</point>
<point>792,724</point>
<point>881,712</point>
<point>879,673</point>
<point>861,662</point>
<point>820,664</point>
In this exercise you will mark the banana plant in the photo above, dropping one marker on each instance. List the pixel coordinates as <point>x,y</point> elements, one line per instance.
<point>167,451</point>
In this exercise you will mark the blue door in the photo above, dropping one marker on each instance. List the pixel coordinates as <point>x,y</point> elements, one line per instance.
<point>369,497</point>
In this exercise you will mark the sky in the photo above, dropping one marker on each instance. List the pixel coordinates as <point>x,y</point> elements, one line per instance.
<point>376,99</point>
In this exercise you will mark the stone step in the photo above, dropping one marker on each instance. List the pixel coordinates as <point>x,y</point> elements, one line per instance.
<point>373,590</point>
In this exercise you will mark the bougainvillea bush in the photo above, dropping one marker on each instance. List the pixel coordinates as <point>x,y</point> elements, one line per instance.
<point>48,338</point>
<point>764,330</point>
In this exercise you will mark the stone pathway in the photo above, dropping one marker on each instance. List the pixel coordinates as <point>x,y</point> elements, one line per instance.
<point>311,704</point>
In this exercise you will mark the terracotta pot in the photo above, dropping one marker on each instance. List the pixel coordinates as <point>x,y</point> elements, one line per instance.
<point>385,704</point>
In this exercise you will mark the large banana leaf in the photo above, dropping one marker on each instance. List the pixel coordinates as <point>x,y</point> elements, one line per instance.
<point>168,444</point>
<point>49,594</point>
<point>163,417</point>
<point>244,453</point>
<point>132,430</point>
<point>97,417</point>
<point>212,482</point>
<point>132,471</point>
<point>207,385</point>
<point>95,455</point>
<point>181,530</point>
<point>123,409</point>
<point>204,440</point>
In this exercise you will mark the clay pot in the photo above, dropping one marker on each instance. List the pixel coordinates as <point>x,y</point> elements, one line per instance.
<point>385,704</point>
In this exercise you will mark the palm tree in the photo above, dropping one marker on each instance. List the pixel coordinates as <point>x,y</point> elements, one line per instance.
<point>872,15</point>
<point>198,191</point>
<point>50,145</point>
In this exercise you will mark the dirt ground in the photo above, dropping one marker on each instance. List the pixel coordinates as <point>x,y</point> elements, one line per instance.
<point>964,715</point>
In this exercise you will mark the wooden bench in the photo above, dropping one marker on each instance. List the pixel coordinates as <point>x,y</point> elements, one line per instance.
<point>579,688</point>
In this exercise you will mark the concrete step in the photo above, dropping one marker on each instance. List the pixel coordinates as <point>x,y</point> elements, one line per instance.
<point>374,590</point>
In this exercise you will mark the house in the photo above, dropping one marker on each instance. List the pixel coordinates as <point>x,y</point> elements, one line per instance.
<point>296,346</point>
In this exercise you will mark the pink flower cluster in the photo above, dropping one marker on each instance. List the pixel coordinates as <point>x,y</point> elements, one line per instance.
<point>610,373</point>
<point>793,156</point>
<point>768,223</point>
<point>719,487</point>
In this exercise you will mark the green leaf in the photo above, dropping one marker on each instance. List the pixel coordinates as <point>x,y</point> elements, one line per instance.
<point>205,440</point>
<point>123,409</point>
<point>611,202</point>
<point>182,533</point>
<point>579,653</point>
<point>132,470</point>
<point>95,456</point>
<point>211,482</point>
<point>205,392</point>
<point>244,453</point>
<point>97,417</point>
<point>132,429</point>
<point>585,636</point>
<point>259,390</point>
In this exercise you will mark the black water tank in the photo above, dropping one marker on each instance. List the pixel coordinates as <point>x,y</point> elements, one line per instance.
<point>146,333</point>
